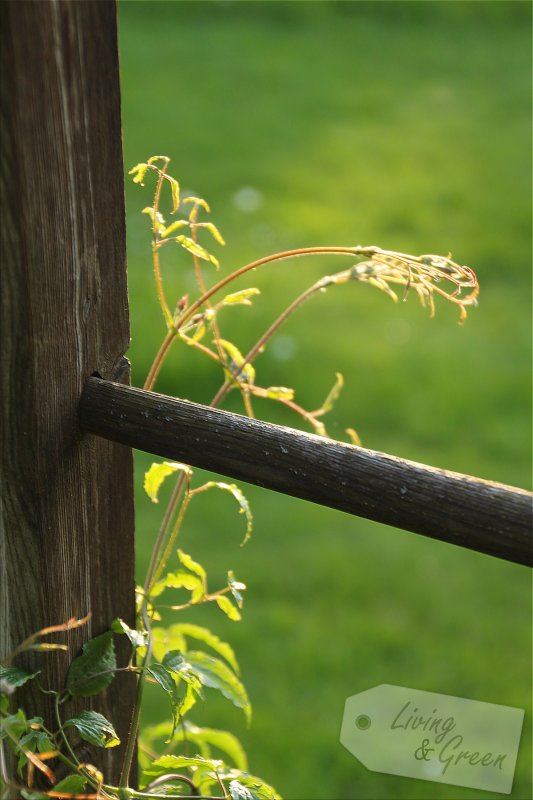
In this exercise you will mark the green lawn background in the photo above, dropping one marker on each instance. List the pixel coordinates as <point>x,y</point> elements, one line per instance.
<point>405,125</point>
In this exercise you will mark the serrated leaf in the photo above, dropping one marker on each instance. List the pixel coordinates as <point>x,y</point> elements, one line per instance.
<point>233,489</point>
<point>191,565</point>
<point>175,189</point>
<point>171,763</point>
<point>202,738</point>
<point>258,789</point>
<point>178,664</point>
<point>157,473</point>
<point>204,635</point>
<point>165,639</point>
<point>225,605</point>
<point>13,677</point>
<point>240,298</point>
<point>34,741</point>
<point>137,638</point>
<point>94,728</point>
<point>164,678</point>
<point>237,372</point>
<point>180,580</point>
<point>216,674</point>
<point>94,670</point>
<point>239,792</point>
<point>280,393</point>
<point>196,249</point>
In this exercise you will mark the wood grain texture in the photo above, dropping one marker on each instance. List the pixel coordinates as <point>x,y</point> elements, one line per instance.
<point>488,517</point>
<point>67,508</point>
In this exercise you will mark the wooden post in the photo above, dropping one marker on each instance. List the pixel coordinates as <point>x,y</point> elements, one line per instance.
<point>66,539</point>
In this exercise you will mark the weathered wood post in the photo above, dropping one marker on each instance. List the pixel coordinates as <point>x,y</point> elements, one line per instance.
<point>66,538</point>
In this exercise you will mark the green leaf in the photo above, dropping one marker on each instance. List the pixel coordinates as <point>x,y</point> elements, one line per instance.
<point>257,789</point>
<point>72,784</point>
<point>191,565</point>
<point>157,473</point>
<point>210,639</point>
<point>94,670</point>
<point>30,795</point>
<point>34,741</point>
<point>171,763</point>
<point>137,638</point>
<point>94,728</point>
<point>202,738</point>
<point>14,725</point>
<point>237,372</point>
<point>233,489</point>
<point>180,580</point>
<point>225,605</point>
<point>216,674</point>
<point>280,393</point>
<point>240,298</point>
<point>196,249</point>
<point>164,678</point>
<point>13,677</point>
<point>175,189</point>
<point>239,792</point>
<point>165,639</point>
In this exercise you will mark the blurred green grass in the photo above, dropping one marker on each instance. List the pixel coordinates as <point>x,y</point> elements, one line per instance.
<point>405,125</point>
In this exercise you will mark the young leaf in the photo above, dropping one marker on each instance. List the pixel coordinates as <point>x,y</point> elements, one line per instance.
<point>138,171</point>
<point>247,373</point>
<point>180,580</point>
<point>207,637</point>
<point>13,677</point>
<point>174,226</point>
<point>191,565</point>
<point>242,501</point>
<point>327,405</point>
<point>240,298</point>
<point>137,638</point>
<point>172,763</point>
<point>216,674</point>
<point>196,249</point>
<point>354,437</point>
<point>175,189</point>
<point>225,605</point>
<point>280,393</point>
<point>213,230</point>
<point>94,728</point>
<point>94,670</point>
<point>176,662</point>
<point>165,639</point>
<point>160,223</point>
<point>157,473</point>
<point>197,202</point>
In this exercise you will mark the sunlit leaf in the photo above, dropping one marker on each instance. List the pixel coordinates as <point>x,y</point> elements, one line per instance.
<point>225,605</point>
<point>94,728</point>
<point>213,230</point>
<point>237,372</point>
<point>160,223</point>
<point>191,565</point>
<point>240,298</point>
<point>164,678</point>
<point>210,639</point>
<point>167,764</point>
<point>217,675</point>
<point>241,500</point>
<point>94,670</point>
<point>236,588</point>
<point>279,393</point>
<point>334,393</point>
<point>138,171</point>
<point>174,226</point>
<point>175,189</point>
<point>180,580</point>
<point>354,437</point>
<point>196,249</point>
<point>157,473</point>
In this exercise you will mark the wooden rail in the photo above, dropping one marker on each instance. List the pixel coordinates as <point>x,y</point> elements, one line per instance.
<point>481,515</point>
